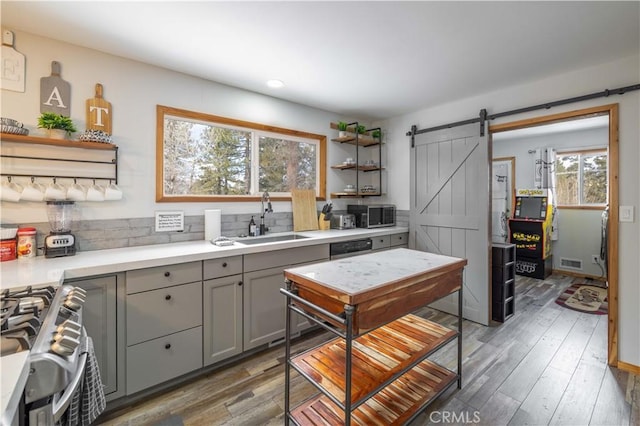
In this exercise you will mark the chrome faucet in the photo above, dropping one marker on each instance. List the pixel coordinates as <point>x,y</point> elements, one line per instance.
<point>265,198</point>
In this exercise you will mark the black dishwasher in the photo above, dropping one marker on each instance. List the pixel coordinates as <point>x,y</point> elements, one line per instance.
<point>350,248</point>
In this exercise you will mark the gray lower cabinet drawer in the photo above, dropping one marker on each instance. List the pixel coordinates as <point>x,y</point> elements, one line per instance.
<point>163,276</point>
<point>223,267</point>
<point>159,312</point>
<point>400,239</point>
<point>285,257</point>
<point>380,242</point>
<point>162,359</point>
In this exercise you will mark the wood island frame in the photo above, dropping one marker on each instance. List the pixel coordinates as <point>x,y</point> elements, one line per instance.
<point>376,370</point>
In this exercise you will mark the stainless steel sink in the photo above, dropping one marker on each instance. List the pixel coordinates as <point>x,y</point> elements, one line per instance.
<point>270,239</point>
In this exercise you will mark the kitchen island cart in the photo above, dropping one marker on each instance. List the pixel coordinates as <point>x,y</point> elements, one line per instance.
<point>376,370</point>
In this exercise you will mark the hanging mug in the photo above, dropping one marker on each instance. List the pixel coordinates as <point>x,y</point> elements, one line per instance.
<point>76,192</point>
<point>112,192</point>
<point>95,192</point>
<point>34,191</point>
<point>10,191</point>
<point>55,191</point>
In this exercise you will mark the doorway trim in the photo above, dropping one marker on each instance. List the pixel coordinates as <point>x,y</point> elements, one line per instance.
<point>612,252</point>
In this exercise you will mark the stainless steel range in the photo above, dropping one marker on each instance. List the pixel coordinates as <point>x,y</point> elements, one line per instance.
<point>48,323</point>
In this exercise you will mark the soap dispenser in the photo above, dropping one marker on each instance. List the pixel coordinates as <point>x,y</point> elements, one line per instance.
<point>252,227</point>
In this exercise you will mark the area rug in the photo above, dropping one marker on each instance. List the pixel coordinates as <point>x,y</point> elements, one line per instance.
<point>585,298</point>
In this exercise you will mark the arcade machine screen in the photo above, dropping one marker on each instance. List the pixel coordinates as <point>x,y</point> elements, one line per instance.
<point>532,208</point>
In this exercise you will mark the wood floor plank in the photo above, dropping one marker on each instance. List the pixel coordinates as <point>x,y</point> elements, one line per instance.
<point>572,348</point>
<point>579,398</point>
<point>541,403</point>
<point>526,374</point>
<point>611,407</point>
<point>496,374</point>
<point>498,410</point>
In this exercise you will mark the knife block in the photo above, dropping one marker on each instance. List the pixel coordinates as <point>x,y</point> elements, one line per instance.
<point>323,225</point>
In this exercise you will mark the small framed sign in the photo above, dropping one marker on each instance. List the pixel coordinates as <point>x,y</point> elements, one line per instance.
<point>170,221</point>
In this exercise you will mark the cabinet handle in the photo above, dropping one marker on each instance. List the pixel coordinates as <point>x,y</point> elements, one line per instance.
<point>167,346</point>
<point>240,283</point>
<point>167,297</point>
<point>166,274</point>
<point>224,265</point>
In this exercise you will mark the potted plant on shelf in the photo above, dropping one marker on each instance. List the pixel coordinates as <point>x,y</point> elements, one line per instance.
<point>376,134</point>
<point>57,126</point>
<point>342,129</point>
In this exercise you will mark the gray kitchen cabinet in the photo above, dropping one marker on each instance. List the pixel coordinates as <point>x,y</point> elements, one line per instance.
<point>156,313</point>
<point>380,243</point>
<point>162,359</point>
<point>222,322</point>
<point>164,324</point>
<point>399,240</point>
<point>386,242</point>
<point>103,318</point>
<point>264,306</point>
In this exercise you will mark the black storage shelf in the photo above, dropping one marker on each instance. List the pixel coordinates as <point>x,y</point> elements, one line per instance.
<point>503,296</point>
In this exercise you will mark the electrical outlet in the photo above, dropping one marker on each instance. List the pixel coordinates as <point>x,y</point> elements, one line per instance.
<point>595,258</point>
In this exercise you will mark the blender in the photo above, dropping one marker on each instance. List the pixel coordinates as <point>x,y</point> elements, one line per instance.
<point>60,241</point>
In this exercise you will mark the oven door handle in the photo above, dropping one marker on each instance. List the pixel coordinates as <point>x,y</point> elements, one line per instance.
<point>60,406</point>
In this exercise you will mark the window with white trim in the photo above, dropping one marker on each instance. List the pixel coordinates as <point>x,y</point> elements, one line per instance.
<point>582,178</point>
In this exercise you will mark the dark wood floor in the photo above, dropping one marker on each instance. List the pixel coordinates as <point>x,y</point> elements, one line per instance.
<point>545,365</point>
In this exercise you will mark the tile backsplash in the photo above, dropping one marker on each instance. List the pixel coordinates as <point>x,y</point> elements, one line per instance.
<point>117,233</point>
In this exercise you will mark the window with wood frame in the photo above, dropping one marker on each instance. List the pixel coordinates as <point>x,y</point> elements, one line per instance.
<point>582,178</point>
<point>202,157</point>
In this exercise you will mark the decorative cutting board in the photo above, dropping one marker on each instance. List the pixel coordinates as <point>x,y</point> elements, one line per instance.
<point>99,112</point>
<point>13,69</point>
<point>55,93</point>
<point>305,215</point>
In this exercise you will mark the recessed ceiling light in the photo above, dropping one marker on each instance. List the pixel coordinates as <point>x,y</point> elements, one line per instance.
<point>276,84</point>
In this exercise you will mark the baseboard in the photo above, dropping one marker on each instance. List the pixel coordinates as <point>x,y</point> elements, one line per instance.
<point>578,274</point>
<point>629,368</point>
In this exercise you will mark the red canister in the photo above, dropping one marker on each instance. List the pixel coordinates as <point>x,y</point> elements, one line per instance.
<point>26,243</point>
<point>7,249</point>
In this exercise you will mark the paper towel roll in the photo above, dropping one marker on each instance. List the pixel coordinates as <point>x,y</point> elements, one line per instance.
<point>212,224</point>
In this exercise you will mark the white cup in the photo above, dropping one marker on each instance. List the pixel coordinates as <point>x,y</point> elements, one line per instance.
<point>76,192</point>
<point>95,193</point>
<point>33,192</point>
<point>112,192</point>
<point>10,191</point>
<point>55,192</point>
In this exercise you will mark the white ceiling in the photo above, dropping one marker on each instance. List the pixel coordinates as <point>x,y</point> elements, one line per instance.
<point>363,59</point>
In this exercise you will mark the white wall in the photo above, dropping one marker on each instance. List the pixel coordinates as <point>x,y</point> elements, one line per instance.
<point>619,73</point>
<point>134,89</point>
<point>578,230</point>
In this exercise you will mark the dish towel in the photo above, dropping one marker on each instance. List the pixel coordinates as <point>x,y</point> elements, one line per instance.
<point>89,401</point>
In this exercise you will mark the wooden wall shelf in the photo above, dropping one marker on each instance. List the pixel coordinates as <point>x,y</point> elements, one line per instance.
<point>8,137</point>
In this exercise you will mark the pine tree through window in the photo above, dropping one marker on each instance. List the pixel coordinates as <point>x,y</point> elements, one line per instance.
<point>209,158</point>
<point>581,178</point>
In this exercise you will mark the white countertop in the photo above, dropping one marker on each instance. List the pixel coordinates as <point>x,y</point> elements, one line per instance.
<point>40,272</point>
<point>15,370</point>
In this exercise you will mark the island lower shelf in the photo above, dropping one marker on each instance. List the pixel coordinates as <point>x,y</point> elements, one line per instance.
<point>390,376</point>
<point>393,405</point>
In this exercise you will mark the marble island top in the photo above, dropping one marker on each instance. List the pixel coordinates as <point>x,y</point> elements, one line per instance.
<point>354,277</point>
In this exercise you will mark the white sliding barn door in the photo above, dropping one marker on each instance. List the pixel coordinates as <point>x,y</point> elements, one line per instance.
<point>450,209</point>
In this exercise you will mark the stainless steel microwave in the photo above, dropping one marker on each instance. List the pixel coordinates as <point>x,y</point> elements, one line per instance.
<point>374,215</point>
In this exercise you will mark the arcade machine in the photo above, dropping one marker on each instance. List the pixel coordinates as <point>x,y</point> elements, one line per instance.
<point>530,230</point>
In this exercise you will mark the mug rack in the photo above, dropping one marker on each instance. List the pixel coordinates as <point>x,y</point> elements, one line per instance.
<point>30,140</point>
